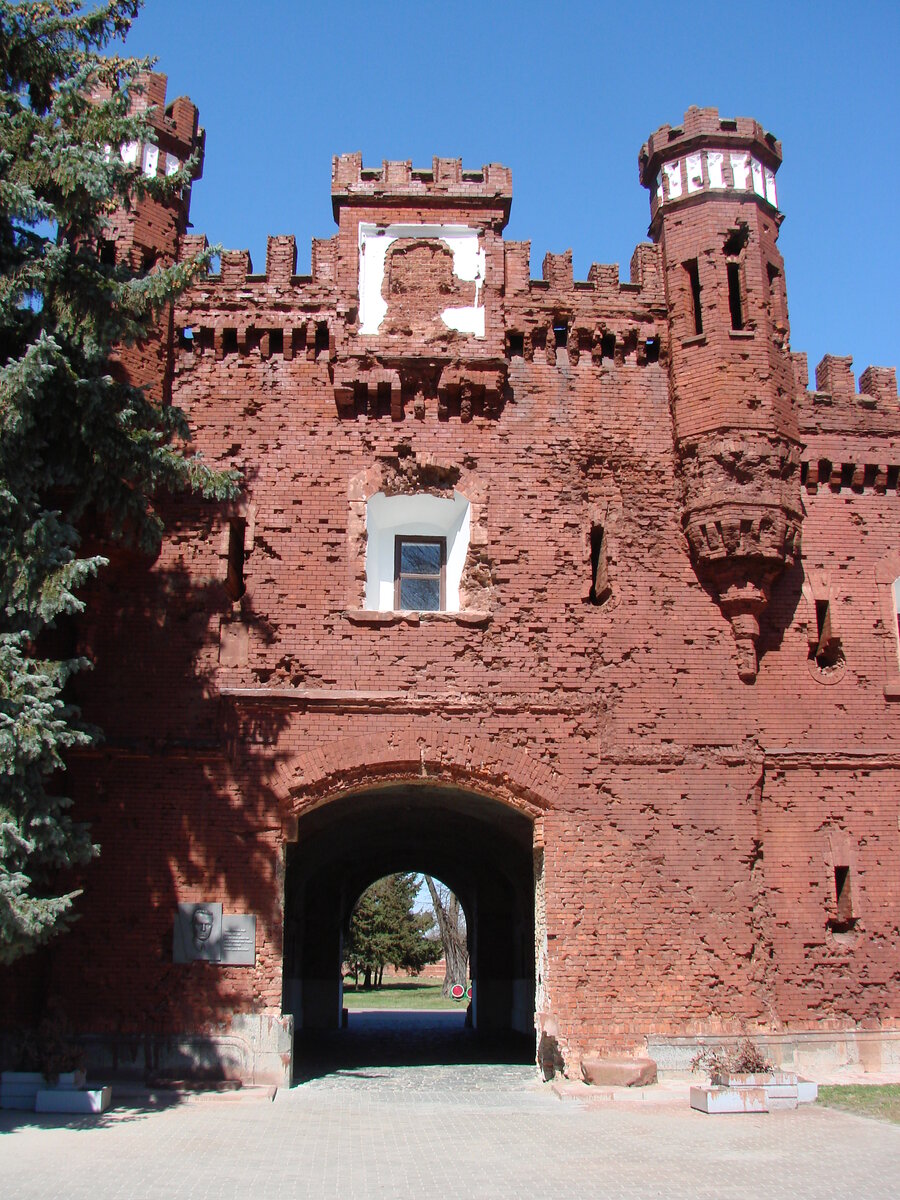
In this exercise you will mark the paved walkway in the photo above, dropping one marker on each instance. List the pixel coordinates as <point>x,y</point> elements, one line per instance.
<point>379,1126</point>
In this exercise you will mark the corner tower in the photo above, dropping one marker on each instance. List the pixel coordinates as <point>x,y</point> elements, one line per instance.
<point>714,214</point>
<point>151,230</point>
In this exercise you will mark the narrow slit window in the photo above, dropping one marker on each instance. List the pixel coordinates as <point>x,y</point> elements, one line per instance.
<point>321,337</point>
<point>600,588</point>
<point>515,343</point>
<point>608,345</point>
<point>229,341</point>
<point>561,334</point>
<point>777,299</point>
<point>734,295</point>
<point>823,621</point>
<point>420,573</point>
<point>843,897</point>
<point>896,592</point>
<point>276,341</point>
<point>234,579</point>
<point>826,649</point>
<point>693,273</point>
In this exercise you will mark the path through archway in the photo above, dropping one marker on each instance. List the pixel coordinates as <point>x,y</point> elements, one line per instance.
<point>481,848</point>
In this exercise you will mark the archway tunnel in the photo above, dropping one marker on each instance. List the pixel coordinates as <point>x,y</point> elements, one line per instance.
<point>481,848</point>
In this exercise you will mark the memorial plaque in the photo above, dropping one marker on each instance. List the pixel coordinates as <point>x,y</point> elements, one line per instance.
<point>238,946</point>
<point>198,932</point>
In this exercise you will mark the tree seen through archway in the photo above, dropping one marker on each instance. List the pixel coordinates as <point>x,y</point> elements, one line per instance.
<point>391,926</point>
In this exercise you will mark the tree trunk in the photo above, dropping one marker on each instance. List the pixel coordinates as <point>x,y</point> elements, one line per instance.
<point>453,938</point>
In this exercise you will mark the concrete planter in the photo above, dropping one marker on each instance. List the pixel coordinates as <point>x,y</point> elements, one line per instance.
<point>19,1089</point>
<point>73,1100</point>
<point>752,1079</point>
<point>769,1092</point>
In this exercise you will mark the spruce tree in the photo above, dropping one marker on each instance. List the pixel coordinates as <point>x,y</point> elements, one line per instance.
<point>384,928</point>
<point>79,447</point>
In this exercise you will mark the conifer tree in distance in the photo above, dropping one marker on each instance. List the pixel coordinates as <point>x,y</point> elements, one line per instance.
<point>78,445</point>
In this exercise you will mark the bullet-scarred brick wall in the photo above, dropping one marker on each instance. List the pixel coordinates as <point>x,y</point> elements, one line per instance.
<point>703,739</point>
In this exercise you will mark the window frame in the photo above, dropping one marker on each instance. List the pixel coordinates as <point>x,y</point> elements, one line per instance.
<point>429,539</point>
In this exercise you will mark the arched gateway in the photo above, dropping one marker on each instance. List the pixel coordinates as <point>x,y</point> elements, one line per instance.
<point>468,813</point>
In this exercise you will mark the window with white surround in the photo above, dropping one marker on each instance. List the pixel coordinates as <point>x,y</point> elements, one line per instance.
<point>415,553</point>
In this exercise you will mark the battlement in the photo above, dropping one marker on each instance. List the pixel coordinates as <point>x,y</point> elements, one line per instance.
<point>835,404</point>
<point>709,153</point>
<point>446,182</point>
<point>700,127</point>
<point>177,128</point>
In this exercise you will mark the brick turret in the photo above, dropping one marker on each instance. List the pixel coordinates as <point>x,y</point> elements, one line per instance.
<point>151,230</point>
<point>715,217</point>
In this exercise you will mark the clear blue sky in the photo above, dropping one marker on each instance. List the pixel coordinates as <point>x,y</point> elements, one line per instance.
<point>564,94</point>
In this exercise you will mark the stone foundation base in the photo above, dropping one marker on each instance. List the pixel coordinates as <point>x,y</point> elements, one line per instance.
<point>252,1048</point>
<point>806,1052</point>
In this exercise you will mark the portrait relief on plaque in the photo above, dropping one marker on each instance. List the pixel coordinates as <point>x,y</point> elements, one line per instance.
<point>198,932</point>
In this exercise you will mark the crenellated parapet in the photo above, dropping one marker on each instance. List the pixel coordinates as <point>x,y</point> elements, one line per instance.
<point>399,183</point>
<point>850,437</point>
<point>417,304</point>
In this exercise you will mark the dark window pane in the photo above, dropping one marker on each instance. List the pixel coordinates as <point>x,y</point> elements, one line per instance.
<point>420,558</point>
<point>423,594</point>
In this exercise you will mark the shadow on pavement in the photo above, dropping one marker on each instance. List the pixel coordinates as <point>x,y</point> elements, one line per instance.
<point>121,1112</point>
<point>403,1039</point>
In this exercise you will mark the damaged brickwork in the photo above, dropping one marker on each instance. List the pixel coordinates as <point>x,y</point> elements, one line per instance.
<point>673,660</point>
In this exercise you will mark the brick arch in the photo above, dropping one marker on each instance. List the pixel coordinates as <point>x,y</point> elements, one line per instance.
<point>427,755</point>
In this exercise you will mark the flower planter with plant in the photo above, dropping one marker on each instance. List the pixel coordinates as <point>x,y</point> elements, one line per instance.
<point>743,1080</point>
<point>49,1074</point>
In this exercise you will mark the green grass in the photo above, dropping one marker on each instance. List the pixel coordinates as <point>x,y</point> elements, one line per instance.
<point>865,1099</point>
<point>408,994</point>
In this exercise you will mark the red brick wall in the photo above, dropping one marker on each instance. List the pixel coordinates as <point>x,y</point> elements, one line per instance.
<point>691,820</point>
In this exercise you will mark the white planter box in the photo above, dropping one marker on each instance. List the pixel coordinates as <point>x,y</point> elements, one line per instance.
<point>19,1089</point>
<point>766,1079</point>
<point>759,1092</point>
<point>70,1100</point>
<point>729,1100</point>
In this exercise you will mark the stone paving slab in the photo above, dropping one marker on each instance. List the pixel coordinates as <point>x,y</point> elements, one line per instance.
<point>400,1108</point>
<point>334,1140</point>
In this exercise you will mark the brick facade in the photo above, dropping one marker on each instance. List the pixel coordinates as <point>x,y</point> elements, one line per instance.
<point>670,684</point>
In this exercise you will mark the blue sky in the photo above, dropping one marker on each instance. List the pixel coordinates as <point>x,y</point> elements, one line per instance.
<point>564,94</point>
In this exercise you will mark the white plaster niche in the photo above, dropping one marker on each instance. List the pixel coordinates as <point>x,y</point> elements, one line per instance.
<point>420,515</point>
<point>468,265</point>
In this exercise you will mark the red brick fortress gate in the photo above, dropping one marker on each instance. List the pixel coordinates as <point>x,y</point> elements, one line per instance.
<point>572,591</point>
<point>466,813</point>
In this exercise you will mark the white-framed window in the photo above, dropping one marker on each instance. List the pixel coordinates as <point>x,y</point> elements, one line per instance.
<point>416,550</point>
<point>420,570</point>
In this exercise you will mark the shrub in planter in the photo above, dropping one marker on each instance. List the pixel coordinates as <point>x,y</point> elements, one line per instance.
<point>50,1048</point>
<point>724,1062</point>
